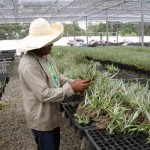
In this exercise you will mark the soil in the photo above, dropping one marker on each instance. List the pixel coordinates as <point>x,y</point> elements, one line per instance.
<point>14,132</point>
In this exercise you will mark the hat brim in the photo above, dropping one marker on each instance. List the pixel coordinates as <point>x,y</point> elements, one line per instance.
<point>36,42</point>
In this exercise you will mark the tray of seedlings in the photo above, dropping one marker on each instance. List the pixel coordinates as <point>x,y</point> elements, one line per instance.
<point>112,105</point>
<point>72,100</point>
<point>142,81</point>
<point>79,123</point>
<point>101,140</point>
<point>117,75</point>
<point>117,108</point>
<point>131,79</point>
<point>72,108</point>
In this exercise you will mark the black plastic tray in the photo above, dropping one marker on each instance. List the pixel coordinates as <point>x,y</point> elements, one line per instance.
<point>123,76</point>
<point>69,113</point>
<point>4,77</point>
<point>2,89</point>
<point>142,81</point>
<point>122,66</point>
<point>7,55</point>
<point>100,140</point>
<point>72,100</point>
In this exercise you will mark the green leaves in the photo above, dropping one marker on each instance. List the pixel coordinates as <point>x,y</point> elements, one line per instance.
<point>112,68</point>
<point>81,119</point>
<point>126,107</point>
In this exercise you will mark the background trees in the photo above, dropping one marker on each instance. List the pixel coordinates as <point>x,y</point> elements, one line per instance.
<point>13,31</point>
<point>19,31</point>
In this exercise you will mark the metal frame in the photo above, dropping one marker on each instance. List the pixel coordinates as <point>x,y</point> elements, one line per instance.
<point>24,11</point>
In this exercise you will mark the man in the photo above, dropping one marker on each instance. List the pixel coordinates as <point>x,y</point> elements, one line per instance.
<point>42,87</point>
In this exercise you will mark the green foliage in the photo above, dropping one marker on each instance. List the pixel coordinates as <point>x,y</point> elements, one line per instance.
<point>82,119</point>
<point>11,31</point>
<point>124,29</point>
<point>73,30</point>
<point>112,68</point>
<point>3,105</point>
<point>119,107</point>
<point>130,55</point>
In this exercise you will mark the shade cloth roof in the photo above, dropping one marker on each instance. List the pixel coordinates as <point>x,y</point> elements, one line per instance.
<point>24,11</point>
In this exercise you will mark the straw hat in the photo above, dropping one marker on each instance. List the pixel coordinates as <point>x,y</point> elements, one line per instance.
<point>41,34</point>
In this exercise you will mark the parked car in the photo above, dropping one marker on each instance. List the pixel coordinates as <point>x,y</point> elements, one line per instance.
<point>76,42</point>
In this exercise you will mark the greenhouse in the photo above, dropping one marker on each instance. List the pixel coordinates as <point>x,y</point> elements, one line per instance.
<point>101,45</point>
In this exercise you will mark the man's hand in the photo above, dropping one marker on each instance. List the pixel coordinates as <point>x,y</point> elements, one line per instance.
<point>80,85</point>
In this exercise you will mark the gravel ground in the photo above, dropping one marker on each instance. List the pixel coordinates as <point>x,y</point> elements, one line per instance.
<point>14,133</point>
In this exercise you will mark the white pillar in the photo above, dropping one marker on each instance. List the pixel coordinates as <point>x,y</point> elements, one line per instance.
<point>107,29</point>
<point>142,24</point>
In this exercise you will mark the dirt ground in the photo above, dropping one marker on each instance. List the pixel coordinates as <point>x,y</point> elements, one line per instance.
<point>14,133</point>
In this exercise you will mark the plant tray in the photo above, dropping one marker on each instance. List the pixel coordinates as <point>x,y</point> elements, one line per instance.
<point>122,76</point>
<point>70,111</point>
<point>7,55</point>
<point>100,140</point>
<point>4,77</point>
<point>142,81</point>
<point>72,100</point>
<point>103,69</point>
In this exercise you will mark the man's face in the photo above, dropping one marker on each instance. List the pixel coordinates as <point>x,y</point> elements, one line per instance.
<point>44,50</point>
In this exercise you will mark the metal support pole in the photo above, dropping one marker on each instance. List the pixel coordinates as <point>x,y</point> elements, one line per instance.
<point>99,37</point>
<point>116,36</point>
<point>86,32</point>
<point>142,24</point>
<point>107,29</point>
<point>139,31</point>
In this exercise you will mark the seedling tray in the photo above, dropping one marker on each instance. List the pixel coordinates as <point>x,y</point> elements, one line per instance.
<point>122,76</point>
<point>70,111</point>
<point>103,69</point>
<point>72,100</point>
<point>4,77</point>
<point>100,140</point>
<point>2,88</point>
<point>7,55</point>
<point>142,81</point>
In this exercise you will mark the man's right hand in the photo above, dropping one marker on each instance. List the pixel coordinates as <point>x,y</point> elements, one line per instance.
<point>80,85</point>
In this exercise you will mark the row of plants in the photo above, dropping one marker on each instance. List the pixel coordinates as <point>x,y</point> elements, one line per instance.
<point>139,44</point>
<point>129,55</point>
<point>115,106</point>
<point>110,104</point>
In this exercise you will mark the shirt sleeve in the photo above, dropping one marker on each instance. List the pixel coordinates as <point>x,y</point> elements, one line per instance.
<point>37,84</point>
<point>64,80</point>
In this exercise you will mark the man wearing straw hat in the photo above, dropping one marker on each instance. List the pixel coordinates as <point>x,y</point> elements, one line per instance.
<point>42,87</point>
